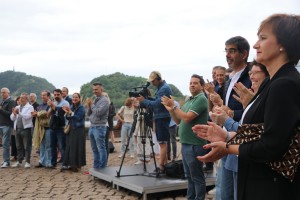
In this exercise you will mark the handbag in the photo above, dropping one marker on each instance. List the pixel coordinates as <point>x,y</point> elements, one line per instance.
<point>289,163</point>
<point>67,128</point>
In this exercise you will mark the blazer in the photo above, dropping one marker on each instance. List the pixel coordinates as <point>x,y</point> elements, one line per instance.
<point>233,104</point>
<point>278,107</point>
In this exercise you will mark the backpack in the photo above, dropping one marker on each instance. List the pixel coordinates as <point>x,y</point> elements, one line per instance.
<point>175,169</point>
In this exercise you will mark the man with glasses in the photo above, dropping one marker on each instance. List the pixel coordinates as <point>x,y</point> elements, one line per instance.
<point>6,106</point>
<point>237,52</point>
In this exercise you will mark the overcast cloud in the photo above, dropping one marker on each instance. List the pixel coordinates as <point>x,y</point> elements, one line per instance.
<point>71,42</point>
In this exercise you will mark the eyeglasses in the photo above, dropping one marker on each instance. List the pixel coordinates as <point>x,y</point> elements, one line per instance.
<point>253,72</point>
<point>230,51</point>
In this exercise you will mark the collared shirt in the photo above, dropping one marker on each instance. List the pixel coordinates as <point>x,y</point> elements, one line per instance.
<point>25,114</point>
<point>233,81</point>
<point>199,105</point>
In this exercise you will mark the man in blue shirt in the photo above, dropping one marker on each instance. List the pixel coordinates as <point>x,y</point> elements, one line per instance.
<point>161,114</point>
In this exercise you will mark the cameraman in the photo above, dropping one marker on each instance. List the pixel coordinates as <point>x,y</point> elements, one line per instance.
<point>161,115</point>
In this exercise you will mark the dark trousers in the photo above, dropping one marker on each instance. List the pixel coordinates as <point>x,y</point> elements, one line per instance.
<point>58,139</point>
<point>23,143</point>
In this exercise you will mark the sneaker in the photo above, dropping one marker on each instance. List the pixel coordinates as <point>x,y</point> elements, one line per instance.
<point>27,165</point>
<point>131,156</point>
<point>17,164</point>
<point>120,156</point>
<point>5,165</point>
<point>138,162</point>
<point>212,191</point>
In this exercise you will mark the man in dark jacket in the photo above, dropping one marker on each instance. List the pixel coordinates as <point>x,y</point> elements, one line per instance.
<point>7,104</point>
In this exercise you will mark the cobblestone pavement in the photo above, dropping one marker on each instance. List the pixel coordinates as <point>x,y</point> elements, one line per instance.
<point>42,183</point>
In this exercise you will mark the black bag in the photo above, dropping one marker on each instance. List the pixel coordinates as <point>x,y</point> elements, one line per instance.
<point>111,147</point>
<point>174,169</point>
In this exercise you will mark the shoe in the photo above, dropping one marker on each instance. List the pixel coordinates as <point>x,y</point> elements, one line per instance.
<point>138,162</point>
<point>64,168</point>
<point>51,167</point>
<point>39,165</point>
<point>17,164</point>
<point>159,170</point>
<point>5,165</point>
<point>169,158</point>
<point>74,169</point>
<point>27,165</point>
<point>212,191</point>
<point>131,156</point>
<point>120,156</point>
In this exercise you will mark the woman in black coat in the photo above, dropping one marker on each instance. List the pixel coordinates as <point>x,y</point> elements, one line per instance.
<point>277,106</point>
<point>75,156</point>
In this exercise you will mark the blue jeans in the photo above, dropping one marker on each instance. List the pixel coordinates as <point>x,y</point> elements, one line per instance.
<point>219,181</point>
<point>125,132</point>
<point>45,149</point>
<point>227,190</point>
<point>193,170</point>
<point>58,137</point>
<point>6,133</point>
<point>97,139</point>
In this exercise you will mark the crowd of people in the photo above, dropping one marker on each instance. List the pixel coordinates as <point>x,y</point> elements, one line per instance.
<point>246,121</point>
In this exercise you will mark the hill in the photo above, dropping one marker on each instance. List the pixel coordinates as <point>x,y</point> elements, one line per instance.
<point>118,85</point>
<point>18,82</point>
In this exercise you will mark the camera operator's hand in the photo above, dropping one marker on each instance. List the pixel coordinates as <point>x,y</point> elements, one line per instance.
<point>168,102</point>
<point>140,98</point>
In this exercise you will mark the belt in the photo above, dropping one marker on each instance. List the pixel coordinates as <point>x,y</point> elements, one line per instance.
<point>23,128</point>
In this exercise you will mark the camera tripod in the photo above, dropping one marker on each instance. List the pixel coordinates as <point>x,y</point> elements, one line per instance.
<point>145,129</point>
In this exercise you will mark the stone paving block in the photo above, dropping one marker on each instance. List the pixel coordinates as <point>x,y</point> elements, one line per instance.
<point>46,184</point>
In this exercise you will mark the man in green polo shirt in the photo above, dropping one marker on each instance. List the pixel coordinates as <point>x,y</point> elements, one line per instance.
<point>194,111</point>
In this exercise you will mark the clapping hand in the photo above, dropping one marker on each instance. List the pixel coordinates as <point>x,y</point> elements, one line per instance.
<point>88,102</point>
<point>244,94</point>
<point>218,150</point>
<point>218,115</point>
<point>211,132</point>
<point>209,87</point>
<point>168,102</point>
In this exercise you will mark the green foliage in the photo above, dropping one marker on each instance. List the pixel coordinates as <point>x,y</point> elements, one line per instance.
<point>18,82</point>
<point>118,85</point>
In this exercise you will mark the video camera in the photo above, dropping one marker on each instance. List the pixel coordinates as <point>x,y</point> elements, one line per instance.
<point>140,91</point>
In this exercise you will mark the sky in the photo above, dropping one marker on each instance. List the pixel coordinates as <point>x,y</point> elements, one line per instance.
<point>69,43</point>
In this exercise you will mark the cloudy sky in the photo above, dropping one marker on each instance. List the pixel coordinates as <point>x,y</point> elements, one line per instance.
<point>71,42</point>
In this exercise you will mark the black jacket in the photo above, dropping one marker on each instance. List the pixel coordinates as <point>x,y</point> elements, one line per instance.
<point>278,107</point>
<point>5,111</point>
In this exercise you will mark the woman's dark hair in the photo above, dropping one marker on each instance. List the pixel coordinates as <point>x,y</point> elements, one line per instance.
<point>286,28</point>
<point>78,96</point>
<point>261,66</point>
<point>17,99</point>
